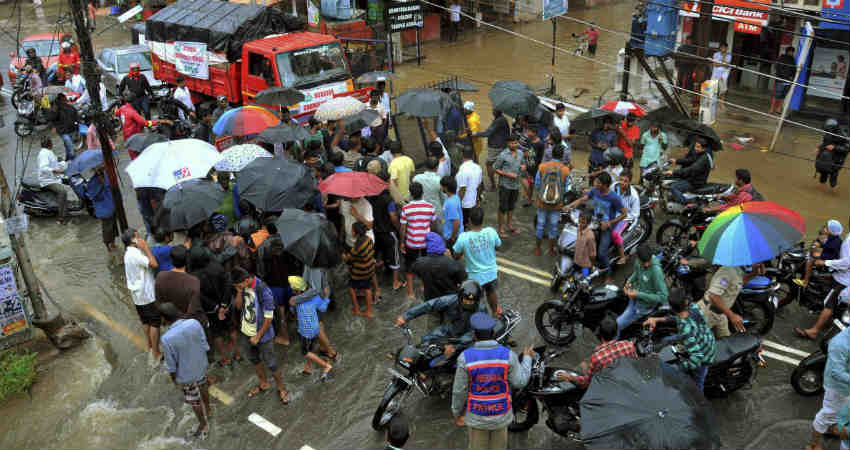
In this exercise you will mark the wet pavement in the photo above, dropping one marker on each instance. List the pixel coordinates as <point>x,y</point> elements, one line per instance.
<point>115,398</point>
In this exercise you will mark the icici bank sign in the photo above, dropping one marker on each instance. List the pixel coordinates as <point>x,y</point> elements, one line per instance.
<point>747,16</point>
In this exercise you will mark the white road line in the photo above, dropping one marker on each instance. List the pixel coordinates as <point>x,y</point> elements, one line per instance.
<point>785,349</point>
<point>523,267</point>
<point>524,276</point>
<point>779,357</point>
<point>261,422</point>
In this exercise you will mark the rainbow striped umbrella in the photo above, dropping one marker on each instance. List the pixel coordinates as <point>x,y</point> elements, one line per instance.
<point>245,120</point>
<point>750,233</point>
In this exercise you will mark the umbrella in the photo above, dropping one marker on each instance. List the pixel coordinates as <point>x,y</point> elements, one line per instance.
<point>634,403</point>
<point>337,108</point>
<point>140,141</point>
<point>623,108</point>
<point>691,128</point>
<point>587,121</point>
<point>374,77</point>
<point>189,203</point>
<point>513,98</point>
<point>276,184</point>
<point>309,237</point>
<point>362,119</point>
<point>353,184</point>
<point>86,160</point>
<point>750,233</point>
<point>285,132</point>
<point>165,164</point>
<point>280,96</point>
<point>456,85</point>
<point>422,102</point>
<point>235,158</point>
<point>245,120</point>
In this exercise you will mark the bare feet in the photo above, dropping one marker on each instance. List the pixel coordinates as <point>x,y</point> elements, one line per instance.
<point>356,312</point>
<point>368,314</point>
<point>537,251</point>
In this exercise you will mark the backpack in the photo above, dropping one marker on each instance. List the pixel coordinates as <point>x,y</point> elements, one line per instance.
<point>824,161</point>
<point>551,190</point>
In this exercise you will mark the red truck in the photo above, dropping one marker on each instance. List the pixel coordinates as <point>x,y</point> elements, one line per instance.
<point>313,63</point>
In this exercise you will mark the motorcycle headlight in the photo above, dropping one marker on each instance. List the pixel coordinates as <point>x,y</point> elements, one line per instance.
<point>845,318</point>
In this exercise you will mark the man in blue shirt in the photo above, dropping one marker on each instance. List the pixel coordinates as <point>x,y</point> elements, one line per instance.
<point>308,325</point>
<point>100,194</point>
<point>836,387</point>
<point>601,139</point>
<point>452,211</point>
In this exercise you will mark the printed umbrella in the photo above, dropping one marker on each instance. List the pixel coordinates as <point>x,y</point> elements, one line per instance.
<point>513,98</point>
<point>276,184</point>
<point>422,102</point>
<point>285,132</point>
<point>86,160</point>
<point>235,158</point>
<point>634,403</point>
<point>352,184</point>
<point>140,141</point>
<point>280,96</point>
<point>623,108</point>
<point>750,233</point>
<point>245,120</point>
<point>165,164</point>
<point>376,76</point>
<point>337,108</point>
<point>189,203</point>
<point>309,237</point>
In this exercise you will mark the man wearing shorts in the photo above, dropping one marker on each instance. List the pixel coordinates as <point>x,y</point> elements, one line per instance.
<point>477,247</point>
<point>139,264</point>
<point>385,227</point>
<point>720,72</point>
<point>308,326</point>
<point>508,166</point>
<point>255,302</point>
<point>416,218</point>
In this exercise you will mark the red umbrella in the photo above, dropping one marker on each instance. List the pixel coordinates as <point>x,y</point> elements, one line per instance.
<point>352,184</point>
<point>624,108</point>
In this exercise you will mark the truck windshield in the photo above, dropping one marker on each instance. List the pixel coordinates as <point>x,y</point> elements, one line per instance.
<point>312,66</point>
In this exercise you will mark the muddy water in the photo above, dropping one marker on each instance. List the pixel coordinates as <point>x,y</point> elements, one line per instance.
<point>111,396</point>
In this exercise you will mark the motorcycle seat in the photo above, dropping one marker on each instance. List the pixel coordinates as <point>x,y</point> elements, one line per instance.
<point>31,183</point>
<point>710,189</point>
<point>759,282</point>
<point>734,346</point>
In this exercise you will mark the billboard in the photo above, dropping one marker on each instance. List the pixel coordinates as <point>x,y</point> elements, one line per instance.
<point>554,8</point>
<point>748,15</point>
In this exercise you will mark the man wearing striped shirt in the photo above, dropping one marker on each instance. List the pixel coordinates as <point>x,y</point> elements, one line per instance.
<point>416,218</point>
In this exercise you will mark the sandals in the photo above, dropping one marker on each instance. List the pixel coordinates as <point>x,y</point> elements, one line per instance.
<point>257,390</point>
<point>325,374</point>
<point>283,394</point>
<point>402,285</point>
<point>199,435</point>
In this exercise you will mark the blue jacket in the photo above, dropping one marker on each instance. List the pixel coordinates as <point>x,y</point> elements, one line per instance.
<point>101,196</point>
<point>455,319</point>
<point>836,376</point>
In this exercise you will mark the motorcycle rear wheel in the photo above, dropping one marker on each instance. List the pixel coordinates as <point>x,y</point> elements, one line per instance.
<point>808,381</point>
<point>553,325</point>
<point>526,414</point>
<point>671,234</point>
<point>389,406</point>
<point>759,315</point>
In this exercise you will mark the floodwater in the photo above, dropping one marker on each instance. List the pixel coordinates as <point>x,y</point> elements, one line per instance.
<point>111,396</point>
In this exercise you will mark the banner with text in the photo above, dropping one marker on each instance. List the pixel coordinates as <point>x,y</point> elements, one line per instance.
<point>405,14</point>
<point>554,8</point>
<point>191,59</point>
<point>748,15</point>
<point>12,318</point>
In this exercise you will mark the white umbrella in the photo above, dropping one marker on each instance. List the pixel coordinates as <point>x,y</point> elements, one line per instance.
<point>338,108</point>
<point>165,164</point>
<point>237,157</point>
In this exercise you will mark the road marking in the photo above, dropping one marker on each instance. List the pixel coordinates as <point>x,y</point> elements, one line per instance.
<point>523,266</point>
<point>779,357</point>
<point>261,422</point>
<point>785,349</point>
<point>524,276</point>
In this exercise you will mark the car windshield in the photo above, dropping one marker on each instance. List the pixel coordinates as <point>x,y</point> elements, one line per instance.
<point>312,66</point>
<point>143,58</point>
<point>42,48</point>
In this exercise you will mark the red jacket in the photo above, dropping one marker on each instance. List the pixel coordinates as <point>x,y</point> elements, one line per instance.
<point>131,121</point>
<point>67,61</point>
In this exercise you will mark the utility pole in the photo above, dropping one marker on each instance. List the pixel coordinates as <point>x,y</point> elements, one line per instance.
<point>92,77</point>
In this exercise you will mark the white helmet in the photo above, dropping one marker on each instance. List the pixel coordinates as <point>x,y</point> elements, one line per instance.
<point>66,44</point>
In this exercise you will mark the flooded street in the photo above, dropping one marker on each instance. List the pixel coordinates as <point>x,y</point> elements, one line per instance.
<point>107,394</point>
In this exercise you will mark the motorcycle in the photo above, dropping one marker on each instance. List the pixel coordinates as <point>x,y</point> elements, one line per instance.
<point>791,264</point>
<point>807,378</point>
<point>560,399</point>
<point>559,322</point>
<point>425,368</point>
<point>658,184</point>
<point>735,366</point>
<point>40,202</point>
<point>30,116</point>
<point>691,225</point>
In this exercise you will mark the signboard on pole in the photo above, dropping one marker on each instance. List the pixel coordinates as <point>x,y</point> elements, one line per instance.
<point>554,8</point>
<point>191,59</point>
<point>12,318</point>
<point>130,13</point>
<point>748,15</point>
<point>404,14</point>
<point>313,17</point>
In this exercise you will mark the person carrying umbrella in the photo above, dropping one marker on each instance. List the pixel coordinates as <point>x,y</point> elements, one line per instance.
<point>603,355</point>
<point>132,122</point>
<point>601,139</point>
<point>100,194</point>
<point>481,394</point>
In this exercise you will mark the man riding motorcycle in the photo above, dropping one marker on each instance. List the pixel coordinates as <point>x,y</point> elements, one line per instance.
<point>831,153</point>
<point>36,63</point>
<point>456,310</point>
<point>694,172</point>
<point>68,61</point>
<point>603,355</point>
<point>744,192</point>
<point>646,288</point>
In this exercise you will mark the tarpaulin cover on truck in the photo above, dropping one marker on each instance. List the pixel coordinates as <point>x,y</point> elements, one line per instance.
<point>223,26</point>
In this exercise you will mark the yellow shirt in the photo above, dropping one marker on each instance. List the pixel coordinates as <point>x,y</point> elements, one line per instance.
<point>400,169</point>
<point>474,122</point>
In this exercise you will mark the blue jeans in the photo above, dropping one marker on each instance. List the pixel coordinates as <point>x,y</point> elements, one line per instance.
<point>602,249</point>
<point>68,141</point>
<point>632,313</point>
<point>698,375</point>
<point>677,188</point>
<point>142,106</point>
<point>52,71</point>
<point>547,221</point>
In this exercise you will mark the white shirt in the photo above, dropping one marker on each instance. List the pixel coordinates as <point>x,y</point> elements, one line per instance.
<point>85,98</point>
<point>385,101</point>
<point>140,280</point>
<point>364,208</point>
<point>455,15</point>
<point>469,175</point>
<point>631,202</point>
<point>719,72</point>
<point>76,83</point>
<point>841,266</point>
<point>47,163</point>
<point>444,169</point>
<point>562,124</point>
<point>183,96</point>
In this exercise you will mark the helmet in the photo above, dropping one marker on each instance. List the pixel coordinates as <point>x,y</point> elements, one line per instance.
<point>66,45</point>
<point>470,289</point>
<point>831,125</point>
<point>614,155</point>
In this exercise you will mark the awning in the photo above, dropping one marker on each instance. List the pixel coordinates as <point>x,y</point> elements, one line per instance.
<point>742,12</point>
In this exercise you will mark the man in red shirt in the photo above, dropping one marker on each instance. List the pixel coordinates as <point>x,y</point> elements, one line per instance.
<point>68,60</point>
<point>416,218</point>
<point>743,192</point>
<point>627,134</point>
<point>132,122</point>
<point>592,37</point>
<point>604,354</point>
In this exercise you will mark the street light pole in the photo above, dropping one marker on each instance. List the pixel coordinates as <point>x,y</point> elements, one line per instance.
<point>92,77</point>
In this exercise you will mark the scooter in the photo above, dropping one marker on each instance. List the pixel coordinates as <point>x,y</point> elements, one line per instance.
<point>807,378</point>
<point>40,202</point>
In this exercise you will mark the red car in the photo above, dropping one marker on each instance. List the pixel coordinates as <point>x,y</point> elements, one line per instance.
<point>47,47</point>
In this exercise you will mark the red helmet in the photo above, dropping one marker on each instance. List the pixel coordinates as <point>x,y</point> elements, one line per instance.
<point>134,66</point>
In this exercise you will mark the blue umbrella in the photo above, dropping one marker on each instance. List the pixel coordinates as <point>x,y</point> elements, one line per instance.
<point>86,160</point>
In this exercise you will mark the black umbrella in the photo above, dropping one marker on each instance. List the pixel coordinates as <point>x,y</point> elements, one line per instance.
<point>691,129</point>
<point>634,403</point>
<point>457,85</point>
<point>279,96</point>
<point>362,119</point>
<point>309,237</point>
<point>376,76</point>
<point>589,121</point>
<point>276,184</point>
<point>513,98</point>
<point>422,102</point>
<point>140,141</point>
<point>189,203</point>
<point>285,132</point>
